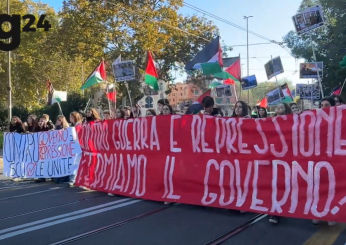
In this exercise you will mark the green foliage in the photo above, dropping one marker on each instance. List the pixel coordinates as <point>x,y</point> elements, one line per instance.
<point>329,42</point>
<point>84,32</point>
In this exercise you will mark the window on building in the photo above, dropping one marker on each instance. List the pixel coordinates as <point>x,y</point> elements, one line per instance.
<point>149,102</point>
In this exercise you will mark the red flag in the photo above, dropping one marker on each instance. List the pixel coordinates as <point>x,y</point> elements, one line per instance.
<point>208,93</point>
<point>112,96</point>
<point>263,103</point>
<point>228,81</point>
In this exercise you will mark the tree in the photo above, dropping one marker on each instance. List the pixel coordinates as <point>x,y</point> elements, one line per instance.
<point>116,28</point>
<point>329,42</point>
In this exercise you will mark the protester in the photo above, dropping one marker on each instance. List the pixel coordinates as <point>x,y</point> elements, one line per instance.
<point>295,109</point>
<point>241,109</point>
<point>262,112</point>
<point>92,115</point>
<point>61,123</point>
<point>150,113</point>
<point>136,111</point>
<point>208,105</point>
<point>119,114</point>
<point>128,113</point>
<point>195,108</point>
<point>107,115</point>
<point>49,123</point>
<point>42,127</point>
<point>327,102</point>
<point>338,100</point>
<point>75,118</point>
<point>32,123</point>
<point>16,125</point>
<point>167,110</point>
<point>160,105</point>
<point>281,110</point>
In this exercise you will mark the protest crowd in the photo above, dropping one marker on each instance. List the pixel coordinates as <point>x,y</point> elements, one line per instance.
<point>34,124</point>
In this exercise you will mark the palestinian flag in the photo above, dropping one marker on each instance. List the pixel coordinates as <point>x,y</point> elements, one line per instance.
<point>336,90</point>
<point>98,75</point>
<point>151,78</point>
<point>287,94</point>
<point>232,66</point>
<point>209,59</point>
<point>55,96</point>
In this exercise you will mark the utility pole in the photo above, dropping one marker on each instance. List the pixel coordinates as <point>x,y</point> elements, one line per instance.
<point>9,88</point>
<point>248,66</point>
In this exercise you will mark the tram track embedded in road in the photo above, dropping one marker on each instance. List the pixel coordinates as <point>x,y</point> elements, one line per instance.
<point>233,232</point>
<point>49,208</point>
<point>111,226</point>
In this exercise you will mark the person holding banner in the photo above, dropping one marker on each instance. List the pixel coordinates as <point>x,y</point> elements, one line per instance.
<point>208,104</point>
<point>42,127</point>
<point>262,112</point>
<point>61,123</point>
<point>32,123</point>
<point>281,110</point>
<point>75,119</point>
<point>167,110</point>
<point>160,105</point>
<point>107,115</point>
<point>128,113</point>
<point>16,125</point>
<point>295,109</point>
<point>338,100</point>
<point>92,115</point>
<point>241,109</point>
<point>150,113</point>
<point>119,114</point>
<point>327,102</point>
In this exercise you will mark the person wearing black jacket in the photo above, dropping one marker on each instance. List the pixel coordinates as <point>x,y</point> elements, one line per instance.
<point>208,104</point>
<point>42,127</point>
<point>16,125</point>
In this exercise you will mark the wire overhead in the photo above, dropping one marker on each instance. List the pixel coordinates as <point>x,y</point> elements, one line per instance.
<point>281,44</point>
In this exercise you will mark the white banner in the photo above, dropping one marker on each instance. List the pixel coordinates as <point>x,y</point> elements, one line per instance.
<point>41,155</point>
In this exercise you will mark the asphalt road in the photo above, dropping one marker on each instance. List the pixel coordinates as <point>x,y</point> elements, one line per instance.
<point>48,213</point>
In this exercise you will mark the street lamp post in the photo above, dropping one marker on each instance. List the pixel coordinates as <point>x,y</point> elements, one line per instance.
<point>9,88</point>
<point>248,66</point>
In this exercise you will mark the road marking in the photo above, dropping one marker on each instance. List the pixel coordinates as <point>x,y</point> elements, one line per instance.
<point>326,235</point>
<point>62,216</point>
<point>32,193</point>
<point>38,227</point>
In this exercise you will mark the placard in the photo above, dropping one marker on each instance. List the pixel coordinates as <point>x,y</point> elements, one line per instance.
<point>308,20</point>
<point>41,155</point>
<point>275,96</point>
<point>309,70</point>
<point>274,67</point>
<point>123,71</point>
<point>308,91</point>
<point>249,82</point>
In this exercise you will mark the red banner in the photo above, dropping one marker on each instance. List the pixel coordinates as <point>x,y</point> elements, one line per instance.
<point>287,166</point>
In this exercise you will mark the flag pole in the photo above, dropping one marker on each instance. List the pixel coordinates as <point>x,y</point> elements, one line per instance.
<point>60,108</point>
<point>315,59</point>
<point>109,103</point>
<point>343,86</point>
